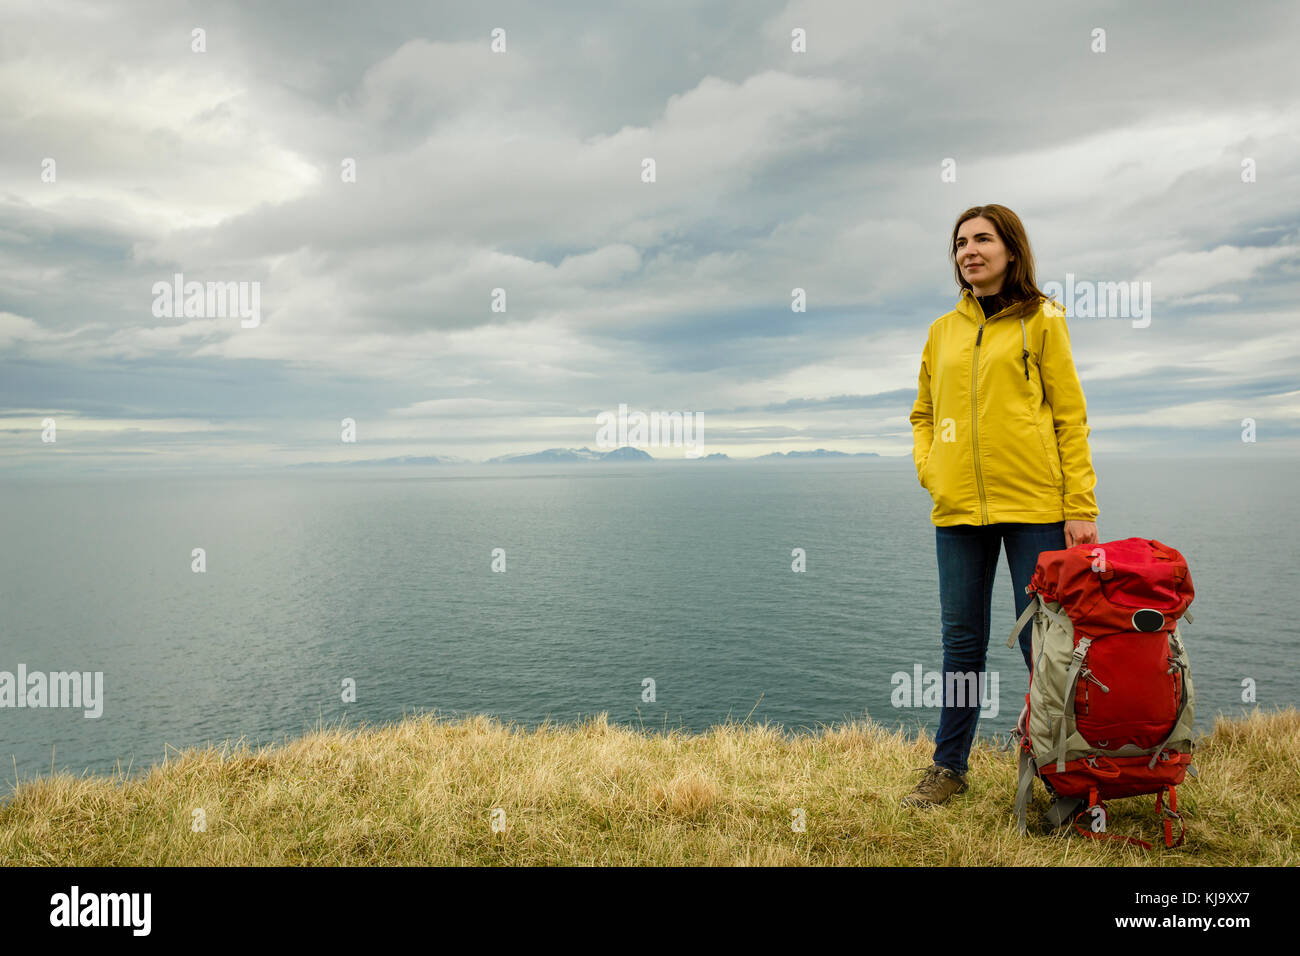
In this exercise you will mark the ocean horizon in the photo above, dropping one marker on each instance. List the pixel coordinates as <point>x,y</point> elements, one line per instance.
<point>663,597</point>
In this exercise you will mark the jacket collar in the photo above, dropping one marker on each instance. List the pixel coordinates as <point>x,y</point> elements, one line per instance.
<point>969,306</point>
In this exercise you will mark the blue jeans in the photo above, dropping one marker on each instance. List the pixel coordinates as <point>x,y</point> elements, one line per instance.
<point>968,560</point>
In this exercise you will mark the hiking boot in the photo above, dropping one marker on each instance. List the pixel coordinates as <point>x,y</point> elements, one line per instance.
<point>938,784</point>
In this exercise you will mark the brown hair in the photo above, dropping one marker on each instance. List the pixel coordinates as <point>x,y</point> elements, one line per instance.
<point>1018,285</point>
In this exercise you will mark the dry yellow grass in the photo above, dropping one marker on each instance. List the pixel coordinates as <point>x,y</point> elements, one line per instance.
<point>423,791</point>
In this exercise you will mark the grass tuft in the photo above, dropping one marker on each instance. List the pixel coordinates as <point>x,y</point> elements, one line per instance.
<point>424,791</point>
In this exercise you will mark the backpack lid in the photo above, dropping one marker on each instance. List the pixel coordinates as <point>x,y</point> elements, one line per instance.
<point>1116,586</point>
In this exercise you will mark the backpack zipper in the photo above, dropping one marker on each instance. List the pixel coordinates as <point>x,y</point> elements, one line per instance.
<point>1087,674</point>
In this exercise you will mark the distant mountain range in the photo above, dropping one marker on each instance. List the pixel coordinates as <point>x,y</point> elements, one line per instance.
<point>819,453</point>
<point>553,456</point>
<point>564,455</point>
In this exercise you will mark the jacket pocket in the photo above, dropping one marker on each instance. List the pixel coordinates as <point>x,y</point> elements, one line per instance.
<point>1051,456</point>
<point>1016,472</point>
<point>944,471</point>
<point>925,468</point>
<point>1040,414</point>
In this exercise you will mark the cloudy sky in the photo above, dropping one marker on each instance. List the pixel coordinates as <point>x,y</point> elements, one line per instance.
<point>127,156</point>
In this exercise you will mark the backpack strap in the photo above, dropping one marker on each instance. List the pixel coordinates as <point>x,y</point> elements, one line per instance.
<point>1062,620</point>
<point>1094,802</point>
<point>1169,814</point>
<point>1182,706</point>
<point>1025,785</point>
<point>1067,718</point>
<point>1034,605</point>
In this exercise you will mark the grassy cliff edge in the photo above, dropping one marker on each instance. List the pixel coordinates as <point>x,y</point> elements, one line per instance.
<point>479,792</point>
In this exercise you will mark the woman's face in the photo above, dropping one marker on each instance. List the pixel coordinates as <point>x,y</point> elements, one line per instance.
<point>981,255</point>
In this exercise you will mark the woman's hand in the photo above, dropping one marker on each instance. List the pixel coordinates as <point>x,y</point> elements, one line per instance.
<point>1080,532</point>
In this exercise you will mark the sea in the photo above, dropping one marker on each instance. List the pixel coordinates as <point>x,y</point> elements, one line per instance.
<point>666,595</point>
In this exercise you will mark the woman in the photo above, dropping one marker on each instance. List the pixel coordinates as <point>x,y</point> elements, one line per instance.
<point>1000,433</point>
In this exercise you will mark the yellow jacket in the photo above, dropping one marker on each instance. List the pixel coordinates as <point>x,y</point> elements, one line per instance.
<point>998,437</point>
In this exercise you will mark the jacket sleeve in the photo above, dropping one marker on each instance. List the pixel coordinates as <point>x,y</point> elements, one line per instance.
<point>1064,394</point>
<point>922,417</point>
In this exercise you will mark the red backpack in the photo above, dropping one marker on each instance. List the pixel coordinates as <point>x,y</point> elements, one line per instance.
<point>1110,691</point>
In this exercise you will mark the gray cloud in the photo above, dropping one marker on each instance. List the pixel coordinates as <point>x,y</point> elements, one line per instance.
<point>521,171</point>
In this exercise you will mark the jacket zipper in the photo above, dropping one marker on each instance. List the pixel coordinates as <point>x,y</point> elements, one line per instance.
<point>974,415</point>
